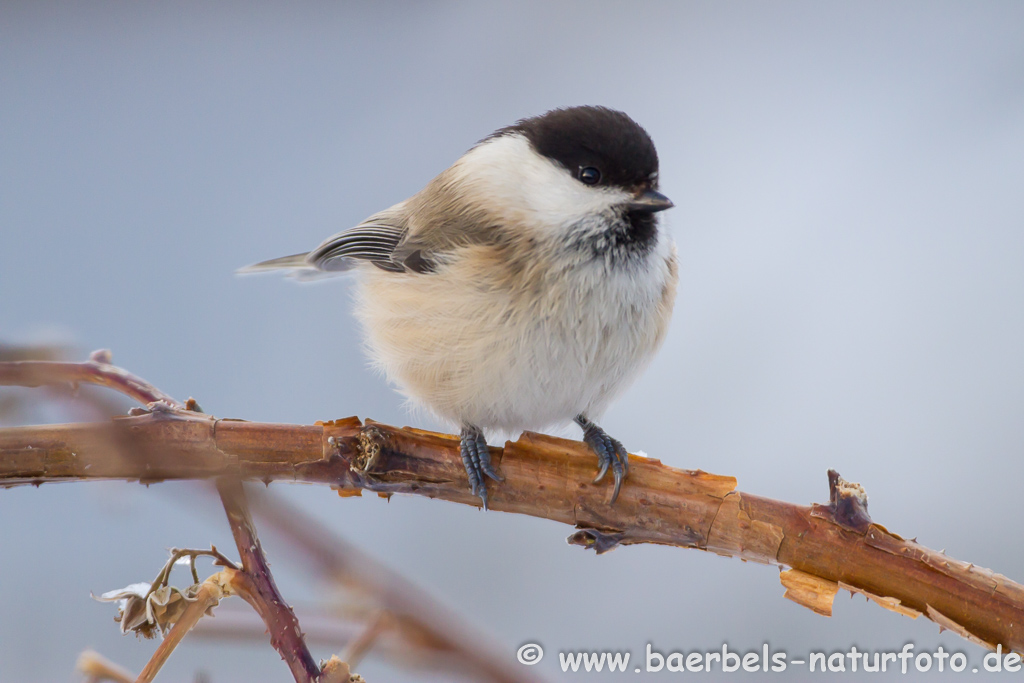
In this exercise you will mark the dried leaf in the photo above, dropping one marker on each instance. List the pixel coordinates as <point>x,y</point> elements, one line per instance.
<point>144,612</point>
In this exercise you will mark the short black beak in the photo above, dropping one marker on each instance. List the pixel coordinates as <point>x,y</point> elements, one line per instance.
<point>650,201</point>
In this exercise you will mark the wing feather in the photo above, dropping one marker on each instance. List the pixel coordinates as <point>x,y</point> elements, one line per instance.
<point>376,240</point>
<point>382,239</point>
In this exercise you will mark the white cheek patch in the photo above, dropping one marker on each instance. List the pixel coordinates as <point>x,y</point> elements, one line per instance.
<point>506,176</point>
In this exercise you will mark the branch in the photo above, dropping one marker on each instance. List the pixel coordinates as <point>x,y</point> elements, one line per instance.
<point>829,546</point>
<point>210,593</point>
<point>259,588</point>
<point>97,668</point>
<point>97,370</point>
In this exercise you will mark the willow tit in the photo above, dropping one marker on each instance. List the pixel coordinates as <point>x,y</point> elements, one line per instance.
<point>523,287</point>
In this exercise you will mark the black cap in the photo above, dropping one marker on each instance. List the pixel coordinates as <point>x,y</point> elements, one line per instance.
<point>598,137</point>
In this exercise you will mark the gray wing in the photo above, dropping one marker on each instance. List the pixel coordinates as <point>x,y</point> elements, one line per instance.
<point>371,242</point>
<point>381,240</point>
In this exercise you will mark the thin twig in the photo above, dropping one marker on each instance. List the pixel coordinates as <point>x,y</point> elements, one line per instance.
<point>361,644</point>
<point>209,595</point>
<point>164,576</point>
<point>97,370</point>
<point>261,591</point>
<point>98,668</point>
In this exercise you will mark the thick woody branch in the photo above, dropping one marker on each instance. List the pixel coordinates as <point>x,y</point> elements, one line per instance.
<point>827,546</point>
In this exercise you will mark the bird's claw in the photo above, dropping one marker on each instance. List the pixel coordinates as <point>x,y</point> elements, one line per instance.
<point>476,458</point>
<point>610,453</point>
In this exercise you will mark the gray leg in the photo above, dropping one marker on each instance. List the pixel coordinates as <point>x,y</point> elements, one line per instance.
<point>609,452</point>
<point>476,458</point>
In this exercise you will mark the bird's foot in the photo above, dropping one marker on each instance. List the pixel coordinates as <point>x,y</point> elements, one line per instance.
<point>610,453</point>
<point>476,458</point>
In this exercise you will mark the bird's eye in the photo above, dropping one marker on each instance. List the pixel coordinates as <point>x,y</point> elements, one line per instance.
<point>590,175</point>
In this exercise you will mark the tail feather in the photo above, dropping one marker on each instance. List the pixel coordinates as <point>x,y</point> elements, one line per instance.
<point>293,262</point>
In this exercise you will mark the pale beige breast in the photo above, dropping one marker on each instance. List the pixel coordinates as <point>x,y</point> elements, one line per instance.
<point>510,346</point>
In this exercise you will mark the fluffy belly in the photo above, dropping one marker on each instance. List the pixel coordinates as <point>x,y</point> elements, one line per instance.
<point>478,354</point>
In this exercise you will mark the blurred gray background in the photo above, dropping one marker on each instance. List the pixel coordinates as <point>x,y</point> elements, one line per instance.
<point>850,220</point>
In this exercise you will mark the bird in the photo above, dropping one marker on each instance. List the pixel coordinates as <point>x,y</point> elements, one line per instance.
<point>524,287</point>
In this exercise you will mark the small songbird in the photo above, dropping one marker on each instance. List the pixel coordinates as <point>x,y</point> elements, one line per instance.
<point>525,286</point>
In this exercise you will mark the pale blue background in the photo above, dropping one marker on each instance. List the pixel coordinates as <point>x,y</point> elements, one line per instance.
<point>848,180</point>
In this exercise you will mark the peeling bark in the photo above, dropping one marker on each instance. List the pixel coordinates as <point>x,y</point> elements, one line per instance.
<point>813,592</point>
